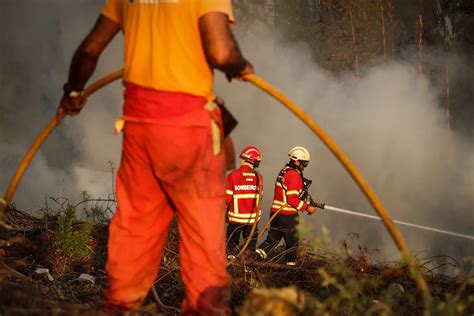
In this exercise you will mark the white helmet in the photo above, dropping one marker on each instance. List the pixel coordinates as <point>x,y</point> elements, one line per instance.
<point>299,153</point>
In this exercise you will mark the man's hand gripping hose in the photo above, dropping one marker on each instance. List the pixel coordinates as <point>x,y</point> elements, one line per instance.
<point>315,204</point>
<point>317,130</point>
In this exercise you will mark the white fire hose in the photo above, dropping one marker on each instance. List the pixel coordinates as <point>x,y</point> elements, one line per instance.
<point>340,210</point>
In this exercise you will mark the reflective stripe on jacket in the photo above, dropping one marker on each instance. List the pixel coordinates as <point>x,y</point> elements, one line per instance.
<point>243,195</point>
<point>287,191</point>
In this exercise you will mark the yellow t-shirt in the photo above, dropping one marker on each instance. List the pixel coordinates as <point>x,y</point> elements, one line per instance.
<point>163,48</point>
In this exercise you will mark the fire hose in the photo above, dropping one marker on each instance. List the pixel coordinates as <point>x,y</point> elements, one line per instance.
<point>349,212</point>
<point>270,220</point>
<point>313,126</point>
<point>357,176</point>
<point>255,224</point>
<point>442,231</point>
<point>7,199</point>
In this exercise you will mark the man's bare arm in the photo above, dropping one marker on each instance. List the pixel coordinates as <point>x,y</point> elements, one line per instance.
<point>85,60</point>
<point>220,46</point>
<point>87,54</point>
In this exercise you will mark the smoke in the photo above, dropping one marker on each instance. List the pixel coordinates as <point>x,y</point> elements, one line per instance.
<point>389,123</point>
<point>38,40</point>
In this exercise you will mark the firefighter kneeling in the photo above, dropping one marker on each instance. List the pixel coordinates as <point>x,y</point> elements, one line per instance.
<point>289,199</point>
<point>243,196</point>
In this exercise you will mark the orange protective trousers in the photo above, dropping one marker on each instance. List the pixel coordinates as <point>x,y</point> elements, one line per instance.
<point>166,170</point>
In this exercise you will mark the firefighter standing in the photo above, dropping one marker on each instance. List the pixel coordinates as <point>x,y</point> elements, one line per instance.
<point>243,195</point>
<point>288,201</point>
<point>172,158</point>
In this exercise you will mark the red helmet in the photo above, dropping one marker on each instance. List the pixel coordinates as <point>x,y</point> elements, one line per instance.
<point>251,154</point>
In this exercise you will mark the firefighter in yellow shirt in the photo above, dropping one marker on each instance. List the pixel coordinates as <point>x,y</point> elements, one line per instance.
<point>172,159</point>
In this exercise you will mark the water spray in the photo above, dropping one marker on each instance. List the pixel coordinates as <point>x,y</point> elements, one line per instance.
<point>393,230</point>
<point>442,231</point>
<point>309,122</point>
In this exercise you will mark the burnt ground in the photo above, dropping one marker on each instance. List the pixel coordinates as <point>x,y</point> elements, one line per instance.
<point>323,281</point>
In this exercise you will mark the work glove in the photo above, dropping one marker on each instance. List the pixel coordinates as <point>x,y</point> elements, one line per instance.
<point>228,120</point>
<point>311,209</point>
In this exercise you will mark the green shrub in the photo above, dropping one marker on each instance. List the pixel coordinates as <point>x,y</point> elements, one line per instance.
<point>72,239</point>
<point>460,302</point>
<point>353,285</point>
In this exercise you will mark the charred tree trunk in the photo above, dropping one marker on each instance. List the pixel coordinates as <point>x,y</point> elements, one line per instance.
<point>382,21</point>
<point>392,35</point>
<point>420,37</point>
<point>355,45</point>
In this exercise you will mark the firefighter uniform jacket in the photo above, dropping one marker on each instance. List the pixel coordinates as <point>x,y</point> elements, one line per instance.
<point>288,188</point>
<point>243,195</point>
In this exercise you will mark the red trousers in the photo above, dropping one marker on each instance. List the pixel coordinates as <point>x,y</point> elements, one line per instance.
<point>166,170</point>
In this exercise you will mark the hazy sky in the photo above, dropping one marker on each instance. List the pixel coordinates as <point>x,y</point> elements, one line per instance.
<point>388,123</point>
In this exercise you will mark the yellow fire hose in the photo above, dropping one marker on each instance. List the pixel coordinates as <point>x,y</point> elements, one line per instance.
<point>41,138</point>
<point>260,234</point>
<point>357,176</point>
<point>317,130</point>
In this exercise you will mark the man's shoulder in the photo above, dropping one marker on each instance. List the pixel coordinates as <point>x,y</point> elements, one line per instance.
<point>234,173</point>
<point>292,175</point>
<point>290,172</point>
